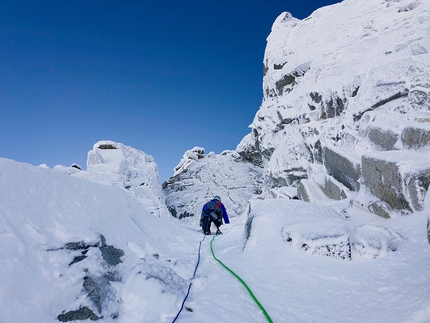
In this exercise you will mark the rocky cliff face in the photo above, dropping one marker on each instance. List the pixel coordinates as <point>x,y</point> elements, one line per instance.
<point>346,105</point>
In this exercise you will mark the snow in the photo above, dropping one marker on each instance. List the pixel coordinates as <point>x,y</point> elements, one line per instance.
<point>43,210</point>
<point>102,241</point>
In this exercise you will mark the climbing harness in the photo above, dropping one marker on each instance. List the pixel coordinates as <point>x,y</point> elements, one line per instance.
<point>243,283</point>
<point>189,286</point>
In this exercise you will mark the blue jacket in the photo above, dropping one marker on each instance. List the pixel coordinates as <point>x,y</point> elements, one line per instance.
<point>220,206</point>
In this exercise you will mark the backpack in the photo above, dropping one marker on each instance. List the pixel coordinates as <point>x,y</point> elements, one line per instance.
<point>213,206</point>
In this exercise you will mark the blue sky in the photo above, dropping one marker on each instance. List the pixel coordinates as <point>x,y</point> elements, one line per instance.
<point>161,77</point>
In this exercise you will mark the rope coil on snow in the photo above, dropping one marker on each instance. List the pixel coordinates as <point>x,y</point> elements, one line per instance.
<point>243,283</point>
<point>189,286</point>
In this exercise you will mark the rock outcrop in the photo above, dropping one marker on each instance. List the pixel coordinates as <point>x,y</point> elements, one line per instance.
<point>346,105</point>
<point>200,176</point>
<point>116,164</point>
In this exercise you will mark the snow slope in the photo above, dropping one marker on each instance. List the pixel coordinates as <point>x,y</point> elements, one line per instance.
<point>43,212</point>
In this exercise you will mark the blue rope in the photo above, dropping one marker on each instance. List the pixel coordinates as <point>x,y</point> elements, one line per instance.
<point>189,286</point>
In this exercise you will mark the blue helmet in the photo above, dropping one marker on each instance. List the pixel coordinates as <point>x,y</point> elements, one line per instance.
<point>217,198</point>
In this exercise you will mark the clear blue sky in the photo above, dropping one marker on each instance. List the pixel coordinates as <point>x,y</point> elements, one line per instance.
<point>160,76</point>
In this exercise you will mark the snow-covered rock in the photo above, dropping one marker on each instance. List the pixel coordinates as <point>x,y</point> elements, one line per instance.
<point>199,177</point>
<point>351,79</point>
<point>324,238</point>
<point>318,230</point>
<point>189,157</point>
<point>116,164</point>
<point>375,241</point>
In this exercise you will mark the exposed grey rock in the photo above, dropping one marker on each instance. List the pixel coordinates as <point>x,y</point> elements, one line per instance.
<point>77,259</point>
<point>96,286</point>
<point>398,179</point>
<point>343,167</point>
<point>289,177</point>
<point>249,149</point>
<point>416,137</point>
<point>380,208</point>
<point>93,291</point>
<point>112,255</point>
<point>76,245</point>
<point>302,191</point>
<point>428,230</point>
<point>383,179</point>
<point>385,139</point>
<point>333,107</point>
<point>83,313</point>
<point>76,166</point>
<point>107,146</point>
<point>333,189</point>
<point>226,175</point>
<point>310,191</point>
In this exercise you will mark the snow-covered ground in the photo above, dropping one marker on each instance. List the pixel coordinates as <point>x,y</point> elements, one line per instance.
<point>43,211</point>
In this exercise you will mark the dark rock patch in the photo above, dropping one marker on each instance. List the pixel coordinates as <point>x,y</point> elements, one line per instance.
<point>112,255</point>
<point>107,146</point>
<point>83,313</point>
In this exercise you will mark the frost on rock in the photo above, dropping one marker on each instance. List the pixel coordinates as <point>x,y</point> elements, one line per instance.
<point>189,157</point>
<point>226,175</point>
<point>375,241</point>
<point>324,238</point>
<point>328,106</point>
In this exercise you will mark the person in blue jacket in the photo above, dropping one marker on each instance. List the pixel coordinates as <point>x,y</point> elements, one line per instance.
<point>213,212</point>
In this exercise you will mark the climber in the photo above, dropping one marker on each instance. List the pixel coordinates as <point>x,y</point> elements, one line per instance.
<point>213,212</point>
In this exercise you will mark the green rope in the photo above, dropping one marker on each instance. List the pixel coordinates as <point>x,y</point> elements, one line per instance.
<point>244,284</point>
